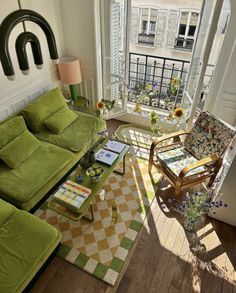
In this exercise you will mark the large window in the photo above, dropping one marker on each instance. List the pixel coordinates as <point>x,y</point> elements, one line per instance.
<point>187,30</point>
<point>148,26</point>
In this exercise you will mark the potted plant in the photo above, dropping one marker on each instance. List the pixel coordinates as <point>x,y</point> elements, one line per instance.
<point>194,209</point>
<point>103,107</point>
<point>154,119</point>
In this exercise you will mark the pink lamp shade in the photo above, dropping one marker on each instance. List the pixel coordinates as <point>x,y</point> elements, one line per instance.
<point>69,70</point>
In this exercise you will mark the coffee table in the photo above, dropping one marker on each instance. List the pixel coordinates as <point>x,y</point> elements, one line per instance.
<point>95,187</point>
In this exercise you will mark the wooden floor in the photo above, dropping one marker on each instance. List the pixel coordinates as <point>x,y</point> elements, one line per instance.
<point>160,260</point>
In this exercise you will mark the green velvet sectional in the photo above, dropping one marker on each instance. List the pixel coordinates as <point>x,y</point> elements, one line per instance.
<point>26,242</point>
<point>37,148</point>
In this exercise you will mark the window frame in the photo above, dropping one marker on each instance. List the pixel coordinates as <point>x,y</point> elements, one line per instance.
<point>186,38</point>
<point>149,33</point>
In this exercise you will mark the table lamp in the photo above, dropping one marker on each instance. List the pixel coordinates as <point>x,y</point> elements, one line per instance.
<point>70,73</point>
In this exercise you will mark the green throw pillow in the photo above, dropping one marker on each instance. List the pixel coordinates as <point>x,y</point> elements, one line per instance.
<point>11,129</point>
<point>60,120</point>
<point>19,149</point>
<point>42,108</point>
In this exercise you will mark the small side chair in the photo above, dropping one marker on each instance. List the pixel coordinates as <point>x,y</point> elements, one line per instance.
<point>186,159</point>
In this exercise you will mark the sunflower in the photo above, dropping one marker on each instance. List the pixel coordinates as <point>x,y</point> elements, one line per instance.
<point>100,105</point>
<point>178,112</point>
<point>175,81</point>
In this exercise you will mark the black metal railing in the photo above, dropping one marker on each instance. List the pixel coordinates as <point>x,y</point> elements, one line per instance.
<point>154,76</point>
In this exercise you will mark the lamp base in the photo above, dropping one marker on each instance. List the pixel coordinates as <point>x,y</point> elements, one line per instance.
<point>73,91</point>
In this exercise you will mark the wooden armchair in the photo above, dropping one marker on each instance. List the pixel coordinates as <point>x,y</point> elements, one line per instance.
<point>189,158</point>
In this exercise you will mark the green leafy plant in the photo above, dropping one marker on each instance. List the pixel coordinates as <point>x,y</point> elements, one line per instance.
<point>154,119</point>
<point>174,86</point>
<point>104,106</point>
<point>194,206</point>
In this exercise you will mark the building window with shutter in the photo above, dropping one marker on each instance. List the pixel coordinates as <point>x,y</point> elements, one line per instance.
<point>148,26</point>
<point>187,30</point>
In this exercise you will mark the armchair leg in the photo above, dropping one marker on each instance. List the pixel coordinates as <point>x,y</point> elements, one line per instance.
<point>177,192</point>
<point>150,167</point>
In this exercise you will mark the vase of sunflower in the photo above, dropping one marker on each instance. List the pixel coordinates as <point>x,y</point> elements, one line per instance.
<point>177,115</point>
<point>103,107</point>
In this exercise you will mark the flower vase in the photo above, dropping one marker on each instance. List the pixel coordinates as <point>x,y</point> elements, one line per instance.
<point>194,242</point>
<point>137,108</point>
<point>195,246</point>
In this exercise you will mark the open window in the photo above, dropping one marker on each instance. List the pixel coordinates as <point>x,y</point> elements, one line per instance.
<point>187,30</point>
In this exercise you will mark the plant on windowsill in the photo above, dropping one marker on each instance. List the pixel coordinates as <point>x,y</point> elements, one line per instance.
<point>154,120</point>
<point>143,94</point>
<point>104,107</point>
<point>194,209</point>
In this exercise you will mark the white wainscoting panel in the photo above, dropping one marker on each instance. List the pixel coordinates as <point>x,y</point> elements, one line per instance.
<point>15,98</point>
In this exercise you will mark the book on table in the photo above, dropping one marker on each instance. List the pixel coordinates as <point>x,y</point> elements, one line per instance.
<point>71,195</point>
<point>114,146</point>
<point>106,157</point>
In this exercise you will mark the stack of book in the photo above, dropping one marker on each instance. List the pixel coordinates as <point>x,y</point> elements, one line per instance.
<point>71,195</point>
<point>110,152</point>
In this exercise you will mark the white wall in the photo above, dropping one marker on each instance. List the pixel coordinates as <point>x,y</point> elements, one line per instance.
<point>15,94</point>
<point>78,24</point>
<point>222,95</point>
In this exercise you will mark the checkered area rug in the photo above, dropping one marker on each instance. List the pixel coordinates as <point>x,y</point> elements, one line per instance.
<point>101,247</point>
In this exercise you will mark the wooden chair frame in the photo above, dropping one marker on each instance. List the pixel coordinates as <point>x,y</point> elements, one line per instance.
<point>211,163</point>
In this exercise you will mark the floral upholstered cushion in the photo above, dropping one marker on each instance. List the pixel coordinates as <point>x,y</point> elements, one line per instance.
<point>208,136</point>
<point>177,159</point>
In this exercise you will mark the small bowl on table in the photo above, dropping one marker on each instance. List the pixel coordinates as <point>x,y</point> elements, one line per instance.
<point>95,173</point>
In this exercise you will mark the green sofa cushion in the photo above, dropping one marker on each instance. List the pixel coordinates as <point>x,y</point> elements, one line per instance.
<point>11,129</point>
<point>60,120</point>
<point>25,244</point>
<point>79,135</point>
<point>19,149</point>
<point>19,185</point>
<point>42,108</point>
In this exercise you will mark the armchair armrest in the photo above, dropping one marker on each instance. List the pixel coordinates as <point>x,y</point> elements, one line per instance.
<point>161,139</point>
<point>168,136</point>
<point>205,161</point>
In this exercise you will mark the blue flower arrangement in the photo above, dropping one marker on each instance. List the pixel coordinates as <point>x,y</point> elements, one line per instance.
<point>194,206</point>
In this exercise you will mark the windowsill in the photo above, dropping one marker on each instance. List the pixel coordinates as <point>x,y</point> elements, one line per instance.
<point>183,49</point>
<point>142,118</point>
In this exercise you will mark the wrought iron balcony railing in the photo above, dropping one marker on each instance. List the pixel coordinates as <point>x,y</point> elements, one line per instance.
<point>161,80</point>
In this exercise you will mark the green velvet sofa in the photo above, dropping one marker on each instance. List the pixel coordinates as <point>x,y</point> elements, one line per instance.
<point>40,145</point>
<point>26,242</point>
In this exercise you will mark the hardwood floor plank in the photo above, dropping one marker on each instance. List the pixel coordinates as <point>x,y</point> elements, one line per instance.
<point>171,265</point>
<point>158,284</point>
<point>144,260</point>
<point>43,280</point>
<point>173,290</point>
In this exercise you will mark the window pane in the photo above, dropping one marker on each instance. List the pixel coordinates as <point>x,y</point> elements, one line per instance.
<point>153,15</point>
<point>145,25</point>
<point>180,43</point>
<point>194,18</point>
<point>182,29</point>
<point>189,44</point>
<point>191,31</point>
<point>145,13</point>
<point>152,26</point>
<point>184,17</point>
